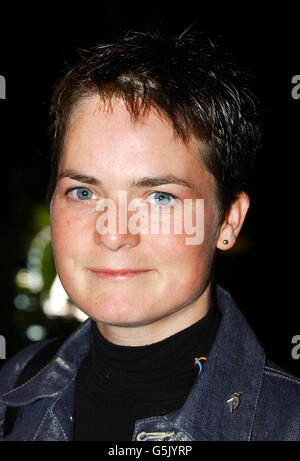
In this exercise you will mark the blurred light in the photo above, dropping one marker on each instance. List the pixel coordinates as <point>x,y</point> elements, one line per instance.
<point>35,282</point>
<point>37,247</point>
<point>32,280</point>
<point>21,278</point>
<point>31,277</point>
<point>22,302</point>
<point>58,304</point>
<point>78,314</point>
<point>36,332</point>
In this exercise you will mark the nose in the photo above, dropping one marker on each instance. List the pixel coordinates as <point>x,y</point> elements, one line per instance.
<point>115,241</point>
<point>113,232</point>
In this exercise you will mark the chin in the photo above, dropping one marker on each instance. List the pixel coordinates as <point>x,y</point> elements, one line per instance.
<point>117,316</point>
<point>125,324</point>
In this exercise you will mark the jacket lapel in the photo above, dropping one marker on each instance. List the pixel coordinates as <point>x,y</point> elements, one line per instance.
<point>48,398</point>
<point>222,403</point>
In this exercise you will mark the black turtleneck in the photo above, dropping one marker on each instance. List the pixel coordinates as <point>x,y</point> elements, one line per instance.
<point>116,385</point>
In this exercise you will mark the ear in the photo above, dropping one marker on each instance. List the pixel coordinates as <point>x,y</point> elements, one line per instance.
<point>233,221</point>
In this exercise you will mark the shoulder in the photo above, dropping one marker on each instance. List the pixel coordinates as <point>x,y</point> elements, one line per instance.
<point>281,383</point>
<point>275,372</point>
<point>12,367</point>
<point>276,400</point>
<point>278,407</point>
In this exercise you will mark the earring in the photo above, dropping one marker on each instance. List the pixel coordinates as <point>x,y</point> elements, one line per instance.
<point>225,242</point>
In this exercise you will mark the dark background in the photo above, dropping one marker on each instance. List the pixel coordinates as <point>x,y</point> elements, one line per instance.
<point>35,44</point>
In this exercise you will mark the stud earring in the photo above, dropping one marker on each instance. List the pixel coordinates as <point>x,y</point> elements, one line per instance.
<point>225,242</point>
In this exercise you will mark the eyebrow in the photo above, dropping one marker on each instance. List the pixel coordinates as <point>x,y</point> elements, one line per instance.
<point>146,181</point>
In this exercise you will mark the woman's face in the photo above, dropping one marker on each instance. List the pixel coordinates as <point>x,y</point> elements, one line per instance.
<point>105,153</point>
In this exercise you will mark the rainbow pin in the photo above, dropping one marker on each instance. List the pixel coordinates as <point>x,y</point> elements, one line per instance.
<point>197,362</point>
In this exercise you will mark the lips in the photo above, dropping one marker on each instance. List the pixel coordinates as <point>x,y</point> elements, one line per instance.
<point>121,274</point>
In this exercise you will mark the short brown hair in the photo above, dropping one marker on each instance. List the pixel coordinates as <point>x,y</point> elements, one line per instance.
<point>187,80</point>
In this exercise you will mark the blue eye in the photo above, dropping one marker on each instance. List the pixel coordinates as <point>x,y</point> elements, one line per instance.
<point>162,198</point>
<point>81,193</point>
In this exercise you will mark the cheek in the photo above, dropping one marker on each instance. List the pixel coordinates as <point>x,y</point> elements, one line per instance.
<point>172,252</point>
<point>67,233</point>
<point>185,267</point>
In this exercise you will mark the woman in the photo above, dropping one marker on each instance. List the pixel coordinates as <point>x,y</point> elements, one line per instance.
<point>151,135</point>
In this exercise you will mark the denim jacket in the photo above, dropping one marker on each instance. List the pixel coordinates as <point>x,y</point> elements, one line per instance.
<point>238,396</point>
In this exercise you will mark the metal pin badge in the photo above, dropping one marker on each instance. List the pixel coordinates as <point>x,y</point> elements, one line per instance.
<point>234,400</point>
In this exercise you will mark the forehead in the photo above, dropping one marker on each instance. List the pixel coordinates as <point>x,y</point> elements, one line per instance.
<point>105,137</point>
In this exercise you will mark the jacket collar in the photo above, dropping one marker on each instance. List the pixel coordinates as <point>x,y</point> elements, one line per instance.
<point>235,364</point>
<point>51,380</point>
